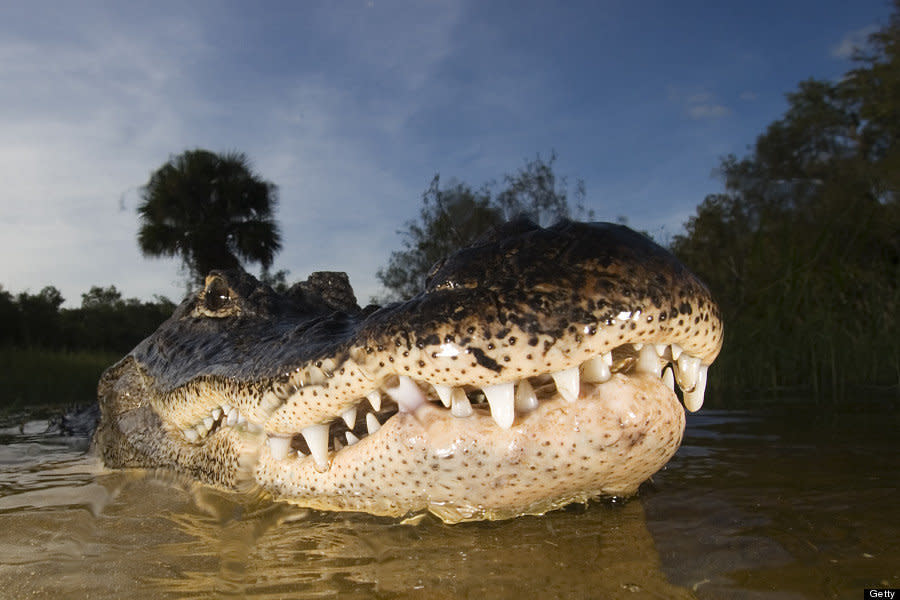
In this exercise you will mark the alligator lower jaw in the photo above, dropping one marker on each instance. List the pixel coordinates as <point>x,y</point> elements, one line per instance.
<point>608,441</point>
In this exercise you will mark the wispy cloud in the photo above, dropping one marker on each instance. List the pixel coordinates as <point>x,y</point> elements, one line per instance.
<point>82,120</point>
<point>85,119</point>
<point>698,105</point>
<point>853,41</point>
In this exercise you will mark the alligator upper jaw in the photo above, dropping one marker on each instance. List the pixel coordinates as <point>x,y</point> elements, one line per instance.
<point>605,443</point>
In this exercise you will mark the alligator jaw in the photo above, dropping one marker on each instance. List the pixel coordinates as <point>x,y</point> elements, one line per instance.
<point>608,441</point>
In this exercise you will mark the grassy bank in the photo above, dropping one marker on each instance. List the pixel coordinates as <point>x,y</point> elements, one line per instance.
<point>38,377</point>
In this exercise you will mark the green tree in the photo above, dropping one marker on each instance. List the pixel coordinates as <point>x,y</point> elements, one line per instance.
<point>803,247</point>
<point>39,323</point>
<point>9,318</point>
<point>98,297</point>
<point>536,192</point>
<point>210,209</point>
<point>449,218</point>
<point>453,217</point>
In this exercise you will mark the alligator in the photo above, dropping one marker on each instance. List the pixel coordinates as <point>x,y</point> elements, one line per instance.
<point>538,367</point>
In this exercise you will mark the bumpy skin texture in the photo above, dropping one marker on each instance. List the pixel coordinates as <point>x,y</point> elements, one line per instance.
<point>521,304</point>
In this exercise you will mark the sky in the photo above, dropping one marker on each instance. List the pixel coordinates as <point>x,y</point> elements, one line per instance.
<point>351,107</point>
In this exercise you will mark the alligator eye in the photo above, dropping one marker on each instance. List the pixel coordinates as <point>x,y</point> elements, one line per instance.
<point>216,295</point>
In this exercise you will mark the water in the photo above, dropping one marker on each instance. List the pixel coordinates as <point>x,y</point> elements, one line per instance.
<point>792,502</point>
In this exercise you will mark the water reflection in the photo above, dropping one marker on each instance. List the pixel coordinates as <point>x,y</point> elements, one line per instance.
<point>782,504</point>
<point>160,537</point>
<point>797,501</point>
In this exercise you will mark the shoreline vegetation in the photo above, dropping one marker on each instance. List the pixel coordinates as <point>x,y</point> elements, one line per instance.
<point>38,377</point>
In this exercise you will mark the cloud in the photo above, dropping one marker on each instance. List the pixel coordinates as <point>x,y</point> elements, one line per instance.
<point>853,41</point>
<point>82,120</point>
<point>85,118</point>
<point>698,105</point>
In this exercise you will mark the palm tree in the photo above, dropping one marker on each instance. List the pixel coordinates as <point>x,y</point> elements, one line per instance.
<point>212,210</point>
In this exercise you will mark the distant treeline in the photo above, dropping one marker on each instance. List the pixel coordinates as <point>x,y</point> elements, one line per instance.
<point>105,322</point>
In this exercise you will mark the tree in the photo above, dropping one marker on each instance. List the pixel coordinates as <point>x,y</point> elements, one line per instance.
<point>212,210</point>
<point>537,193</point>
<point>39,317</point>
<point>449,219</point>
<point>98,297</point>
<point>277,280</point>
<point>456,216</point>
<point>9,318</point>
<point>803,247</point>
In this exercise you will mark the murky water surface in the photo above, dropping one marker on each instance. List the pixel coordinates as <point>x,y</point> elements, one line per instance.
<point>793,502</point>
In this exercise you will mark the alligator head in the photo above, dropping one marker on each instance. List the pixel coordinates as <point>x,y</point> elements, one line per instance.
<point>537,368</point>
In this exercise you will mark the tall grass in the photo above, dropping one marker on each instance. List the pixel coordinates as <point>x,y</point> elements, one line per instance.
<point>39,377</point>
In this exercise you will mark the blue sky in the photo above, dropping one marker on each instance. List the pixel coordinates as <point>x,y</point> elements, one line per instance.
<point>352,107</point>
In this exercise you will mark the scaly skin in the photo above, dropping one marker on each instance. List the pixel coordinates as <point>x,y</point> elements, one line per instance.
<point>244,386</point>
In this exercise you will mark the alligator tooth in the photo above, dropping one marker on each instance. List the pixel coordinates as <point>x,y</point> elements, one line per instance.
<point>596,370</point>
<point>372,423</point>
<point>648,361</point>
<point>567,383</point>
<point>374,398</point>
<point>460,404</point>
<point>316,375</point>
<point>190,434</point>
<point>232,418</point>
<point>669,378</point>
<point>316,437</point>
<point>676,351</point>
<point>216,413</point>
<point>407,394</point>
<point>241,419</point>
<point>349,416</point>
<point>637,347</point>
<point>444,392</point>
<point>201,430</point>
<point>208,422</point>
<point>337,445</point>
<point>351,439</point>
<point>526,399</point>
<point>693,399</point>
<point>660,349</point>
<point>501,398</point>
<point>279,446</point>
<point>687,369</point>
